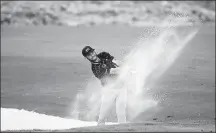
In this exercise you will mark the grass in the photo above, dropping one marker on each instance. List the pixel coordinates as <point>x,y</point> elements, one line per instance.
<point>94,13</point>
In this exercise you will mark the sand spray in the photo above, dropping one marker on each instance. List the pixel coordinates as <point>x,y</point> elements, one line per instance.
<point>150,56</point>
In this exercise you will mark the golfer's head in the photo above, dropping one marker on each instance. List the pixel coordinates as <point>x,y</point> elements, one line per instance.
<point>89,53</point>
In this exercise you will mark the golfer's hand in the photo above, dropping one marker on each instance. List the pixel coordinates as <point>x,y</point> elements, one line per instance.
<point>117,62</point>
<point>115,71</point>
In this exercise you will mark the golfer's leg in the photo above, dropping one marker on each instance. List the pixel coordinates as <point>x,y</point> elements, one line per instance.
<point>94,109</point>
<point>121,105</point>
<point>107,100</point>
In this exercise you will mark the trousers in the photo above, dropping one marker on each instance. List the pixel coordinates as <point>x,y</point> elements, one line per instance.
<point>117,95</point>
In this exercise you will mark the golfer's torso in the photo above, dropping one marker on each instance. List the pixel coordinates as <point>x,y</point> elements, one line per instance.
<point>99,70</point>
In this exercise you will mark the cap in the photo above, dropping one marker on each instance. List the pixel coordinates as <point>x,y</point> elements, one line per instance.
<point>86,50</point>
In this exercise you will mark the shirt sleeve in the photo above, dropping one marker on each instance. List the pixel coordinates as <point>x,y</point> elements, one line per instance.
<point>110,61</point>
<point>105,55</point>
